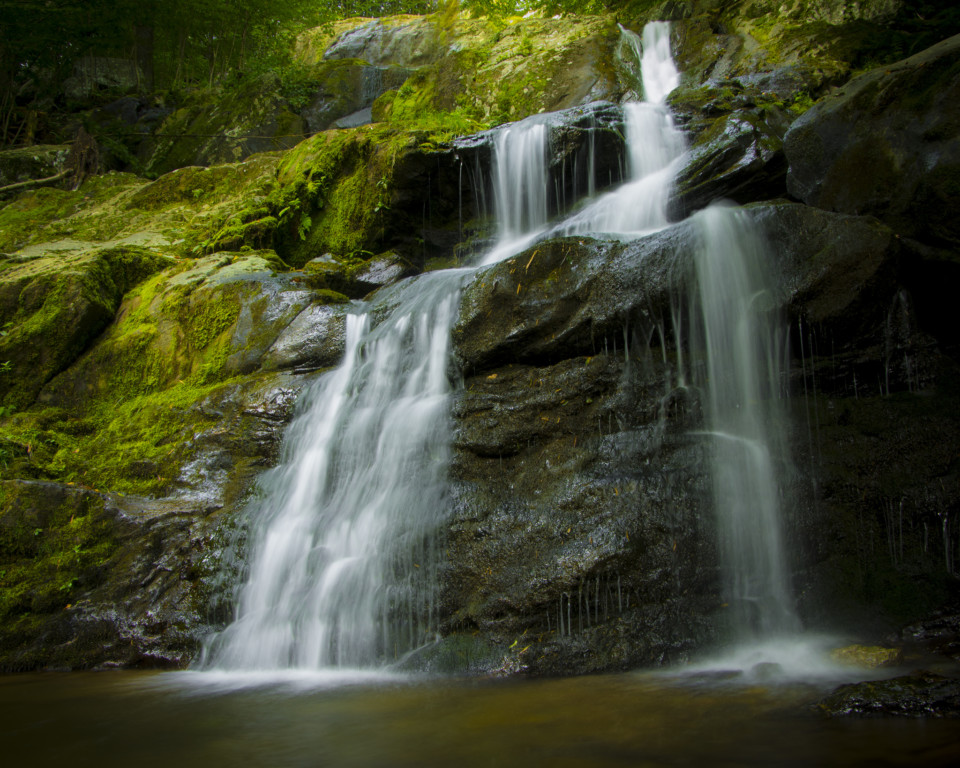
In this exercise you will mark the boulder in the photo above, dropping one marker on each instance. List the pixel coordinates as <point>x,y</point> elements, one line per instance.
<point>867,656</point>
<point>922,694</point>
<point>885,145</point>
<point>53,307</point>
<point>206,129</point>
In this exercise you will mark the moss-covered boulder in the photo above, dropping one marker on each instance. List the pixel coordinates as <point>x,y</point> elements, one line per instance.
<point>867,656</point>
<point>224,127</point>
<point>31,163</point>
<point>343,92</point>
<point>886,145</point>
<point>493,71</point>
<point>53,307</point>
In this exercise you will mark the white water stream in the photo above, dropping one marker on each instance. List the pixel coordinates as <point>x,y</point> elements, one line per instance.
<point>342,535</point>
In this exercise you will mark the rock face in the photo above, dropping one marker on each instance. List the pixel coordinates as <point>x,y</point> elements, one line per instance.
<point>885,145</point>
<point>158,332</point>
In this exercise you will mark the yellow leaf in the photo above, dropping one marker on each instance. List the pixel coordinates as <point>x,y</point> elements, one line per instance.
<point>492,376</point>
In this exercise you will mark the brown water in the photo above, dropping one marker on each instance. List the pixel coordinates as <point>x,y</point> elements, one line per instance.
<point>185,720</point>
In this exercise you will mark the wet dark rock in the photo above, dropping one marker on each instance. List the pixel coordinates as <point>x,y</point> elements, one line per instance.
<point>922,694</point>
<point>567,296</point>
<point>314,339</point>
<point>885,145</point>
<point>739,158</point>
<point>578,520</point>
<point>939,632</point>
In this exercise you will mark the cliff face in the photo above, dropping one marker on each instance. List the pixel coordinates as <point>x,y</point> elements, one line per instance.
<point>157,333</point>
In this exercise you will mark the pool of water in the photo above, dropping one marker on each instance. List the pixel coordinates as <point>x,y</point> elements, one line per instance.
<point>640,719</point>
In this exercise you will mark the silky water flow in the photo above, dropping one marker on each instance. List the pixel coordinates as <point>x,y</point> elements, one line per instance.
<point>342,533</point>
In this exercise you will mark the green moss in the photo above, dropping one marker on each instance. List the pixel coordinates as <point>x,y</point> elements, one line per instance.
<point>51,546</point>
<point>56,306</point>
<point>335,191</point>
<point>135,445</point>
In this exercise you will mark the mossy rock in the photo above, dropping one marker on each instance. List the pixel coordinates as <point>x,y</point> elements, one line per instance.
<point>492,72</point>
<point>52,308</point>
<point>225,126</point>
<point>28,163</point>
<point>45,216</point>
<point>867,656</point>
<point>54,541</point>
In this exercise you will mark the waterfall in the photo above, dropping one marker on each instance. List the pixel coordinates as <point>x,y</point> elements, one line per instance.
<point>654,150</point>
<point>342,533</point>
<point>740,338</point>
<point>342,561</point>
<point>342,567</point>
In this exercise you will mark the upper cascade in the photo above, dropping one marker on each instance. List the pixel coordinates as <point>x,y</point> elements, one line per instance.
<point>654,147</point>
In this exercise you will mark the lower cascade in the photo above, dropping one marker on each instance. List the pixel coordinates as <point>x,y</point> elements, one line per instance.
<point>342,534</point>
<point>743,346</point>
<point>342,558</point>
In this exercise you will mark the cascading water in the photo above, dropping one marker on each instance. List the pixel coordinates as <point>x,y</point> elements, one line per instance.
<point>341,563</point>
<point>341,567</point>
<point>739,337</point>
<point>654,149</point>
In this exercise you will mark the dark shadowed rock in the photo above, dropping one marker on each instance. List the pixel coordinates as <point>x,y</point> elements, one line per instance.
<point>885,144</point>
<point>922,694</point>
<point>738,158</point>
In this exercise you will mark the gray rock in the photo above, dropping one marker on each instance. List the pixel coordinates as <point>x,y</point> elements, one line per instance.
<point>314,339</point>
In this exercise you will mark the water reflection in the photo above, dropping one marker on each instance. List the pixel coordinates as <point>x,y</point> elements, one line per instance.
<point>342,719</point>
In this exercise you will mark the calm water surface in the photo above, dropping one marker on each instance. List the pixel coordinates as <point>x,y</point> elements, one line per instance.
<point>198,719</point>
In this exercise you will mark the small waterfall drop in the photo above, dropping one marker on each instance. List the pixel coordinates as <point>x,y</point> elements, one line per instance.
<point>520,178</point>
<point>654,149</point>
<point>740,338</point>
<point>521,183</point>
